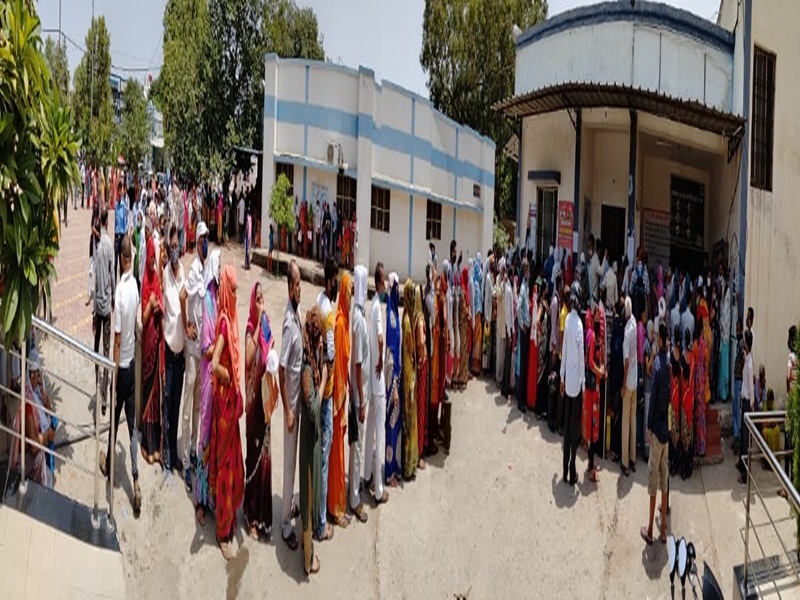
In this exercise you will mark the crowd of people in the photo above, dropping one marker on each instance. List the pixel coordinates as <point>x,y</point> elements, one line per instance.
<point>624,360</point>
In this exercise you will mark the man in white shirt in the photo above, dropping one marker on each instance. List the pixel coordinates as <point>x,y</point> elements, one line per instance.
<point>748,394</point>
<point>192,296</point>
<point>610,280</point>
<point>629,382</point>
<point>359,389</point>
<point>126,304</point>
<point>573,374</point>
<point>174,335</point>
<point>376,430</point>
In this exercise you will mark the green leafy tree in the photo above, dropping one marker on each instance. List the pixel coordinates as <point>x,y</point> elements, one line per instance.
<point>793,432</point>
<point>56,55</point>
<point>37,164</point>
<point>291,32</point>
<point>91,102</point>
<point>134,130</point>
<point>281,206</point>
<point>468,53</point>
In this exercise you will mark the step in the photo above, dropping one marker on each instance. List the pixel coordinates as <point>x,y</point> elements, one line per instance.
<point>714,454</point>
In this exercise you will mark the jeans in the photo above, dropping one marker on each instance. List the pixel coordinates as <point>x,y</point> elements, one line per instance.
<point>376,444</point>
<point>737,407</point>
<point>326,423</point>
<point>102,324</point>
<point>572,433</point>
<point>174,368</point>
<point>125,399</point>
<point>118,253</point>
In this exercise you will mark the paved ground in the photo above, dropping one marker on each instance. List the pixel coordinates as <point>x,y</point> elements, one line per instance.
<point>492,520</point>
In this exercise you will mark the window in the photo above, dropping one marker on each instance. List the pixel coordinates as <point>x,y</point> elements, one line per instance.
<point>433,221</point>
<point>288,170</point>
<point>346,196</point>
<point>379,213</point>
<point>547,206</point>
<point>763,119</point>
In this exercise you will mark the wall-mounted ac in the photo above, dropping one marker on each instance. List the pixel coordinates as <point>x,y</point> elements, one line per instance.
<point>335,155</point>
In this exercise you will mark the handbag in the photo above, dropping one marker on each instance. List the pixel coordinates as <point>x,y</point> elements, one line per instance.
<point>352,421</point>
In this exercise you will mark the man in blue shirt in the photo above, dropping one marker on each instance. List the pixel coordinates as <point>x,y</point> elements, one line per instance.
<point>120,225</point>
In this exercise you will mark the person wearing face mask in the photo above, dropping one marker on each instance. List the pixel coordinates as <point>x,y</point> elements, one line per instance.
<point>175,326</point>
<point>191,298</point>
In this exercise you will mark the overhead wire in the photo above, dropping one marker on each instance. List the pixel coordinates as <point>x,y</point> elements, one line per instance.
<point>114,67</point>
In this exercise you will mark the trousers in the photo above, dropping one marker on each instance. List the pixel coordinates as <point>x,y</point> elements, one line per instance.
<point>628,427</point>
<point>191,408</point>
<point>289,470</point>
<point>572,432</point>
<point>376,444</point>
<point>125,400</point>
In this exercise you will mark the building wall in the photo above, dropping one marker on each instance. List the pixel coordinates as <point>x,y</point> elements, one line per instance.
<point>389,137</point>
<point>773,246</point>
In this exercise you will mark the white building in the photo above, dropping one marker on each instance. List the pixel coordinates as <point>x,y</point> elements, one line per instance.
<point>409,174</point>
<point>660,128</point>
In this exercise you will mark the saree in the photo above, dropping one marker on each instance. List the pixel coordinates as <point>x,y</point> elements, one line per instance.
<point>310,461</point>
<point>337,491</point>
<point>152,360</point>
<point>393,371</point>
<point>202,490</point>
<point>422,374</point>
<point>410,442</point>
<point>687,415</point>
<point>258,464</point>
<point>464,331</point>
<point>700,379</point>
<point>477,320</point>
<point>226,470</point>
<point>702,313</point>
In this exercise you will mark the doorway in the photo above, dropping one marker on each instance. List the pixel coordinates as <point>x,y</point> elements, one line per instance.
<point>612,231</point>
<point>546,205</point>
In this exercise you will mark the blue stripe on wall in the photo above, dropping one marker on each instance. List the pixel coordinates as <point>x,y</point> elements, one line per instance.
<point>305,118</point>
<point>352,125</point>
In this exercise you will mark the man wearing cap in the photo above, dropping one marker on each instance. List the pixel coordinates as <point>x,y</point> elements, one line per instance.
<point>127,305</point>
<point>192,295</point>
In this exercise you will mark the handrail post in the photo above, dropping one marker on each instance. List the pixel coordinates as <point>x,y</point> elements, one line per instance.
<point>113,434</point>
<point>23,376</point>
<point>96,508</point>
<point>746,423</point>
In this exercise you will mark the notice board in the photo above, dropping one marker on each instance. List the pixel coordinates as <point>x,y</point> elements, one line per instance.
<point>657,236</point>
<point>565,223</point>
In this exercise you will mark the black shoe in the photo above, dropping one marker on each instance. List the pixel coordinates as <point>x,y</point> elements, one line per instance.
<point>187,480</point>
<point>633,467</point>
<point>193,459</point>
<point>522,408</point>
<point>177,465</point>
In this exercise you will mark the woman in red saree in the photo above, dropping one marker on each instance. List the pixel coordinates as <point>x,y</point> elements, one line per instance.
<point>337,491</point>
<point>686,452</point>
<point>152,357</point>
<point>533,355</point>
<point>226,471</point>
<point>703,314</point>
<point>437,369</point>
<point>464,328</point>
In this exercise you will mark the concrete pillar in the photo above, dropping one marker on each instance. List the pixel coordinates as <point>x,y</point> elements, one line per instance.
<point>576,209</point>
<point>487,200</point>
<point>634,132</point>
<point>270,130</point>
<point>366,121</point>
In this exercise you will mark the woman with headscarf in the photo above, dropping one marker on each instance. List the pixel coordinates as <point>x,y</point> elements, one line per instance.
<point>393,367</point>
<point>310,463</point>
<point>477,316</point>
<point>261,394</point>
<point>205,500</point>
<point>152,357</point>
<point>676,394</point>
<point>435,370</point>
<point>450,324</point>
<point>659,282</point>
<point>704,316</point>
<point>686,452</point>
<point>226,469</point>
<point>465,331</point>
<point>595,371</point>
<point>337,491</point>
<point>699,354</point>
<point>723,385</point>
<point>533,352</point>
<point>409,350</point>
<point>421,388</point>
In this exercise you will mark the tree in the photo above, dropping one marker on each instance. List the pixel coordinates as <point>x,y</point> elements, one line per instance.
<point>37,164</point>
<point>793,432</point>
<point>468,53</point>
<point>281,206</point>
<point>291,32</point>
<point>91,100</point>
<point>134,130</point>
<point>56,55</point>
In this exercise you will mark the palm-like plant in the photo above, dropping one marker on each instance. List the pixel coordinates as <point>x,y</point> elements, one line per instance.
<point>37,163</point>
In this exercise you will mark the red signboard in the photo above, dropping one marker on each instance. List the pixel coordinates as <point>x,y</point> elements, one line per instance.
<point>565,217</point>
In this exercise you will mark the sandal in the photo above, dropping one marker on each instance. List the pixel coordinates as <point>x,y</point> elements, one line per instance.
<point>328,535</point>
<point>383,499</point>
<point>663,538</point>
<point>360,513</point>
<point>314,566</point>
<point>200,515</point>
<point>593,477</point>
<point>421,465</point>
<point>393,482</point>
<point>291,541</point>
<point>295,511</point>
<point>341,521</point>
<point>648,539</point>
<point>254,532</point>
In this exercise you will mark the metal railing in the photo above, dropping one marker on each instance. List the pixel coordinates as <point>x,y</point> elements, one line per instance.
<point>773,573</point>
<point>40,329</point>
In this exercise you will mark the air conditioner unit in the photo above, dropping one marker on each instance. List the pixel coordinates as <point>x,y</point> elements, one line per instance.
<point>335,155</point>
